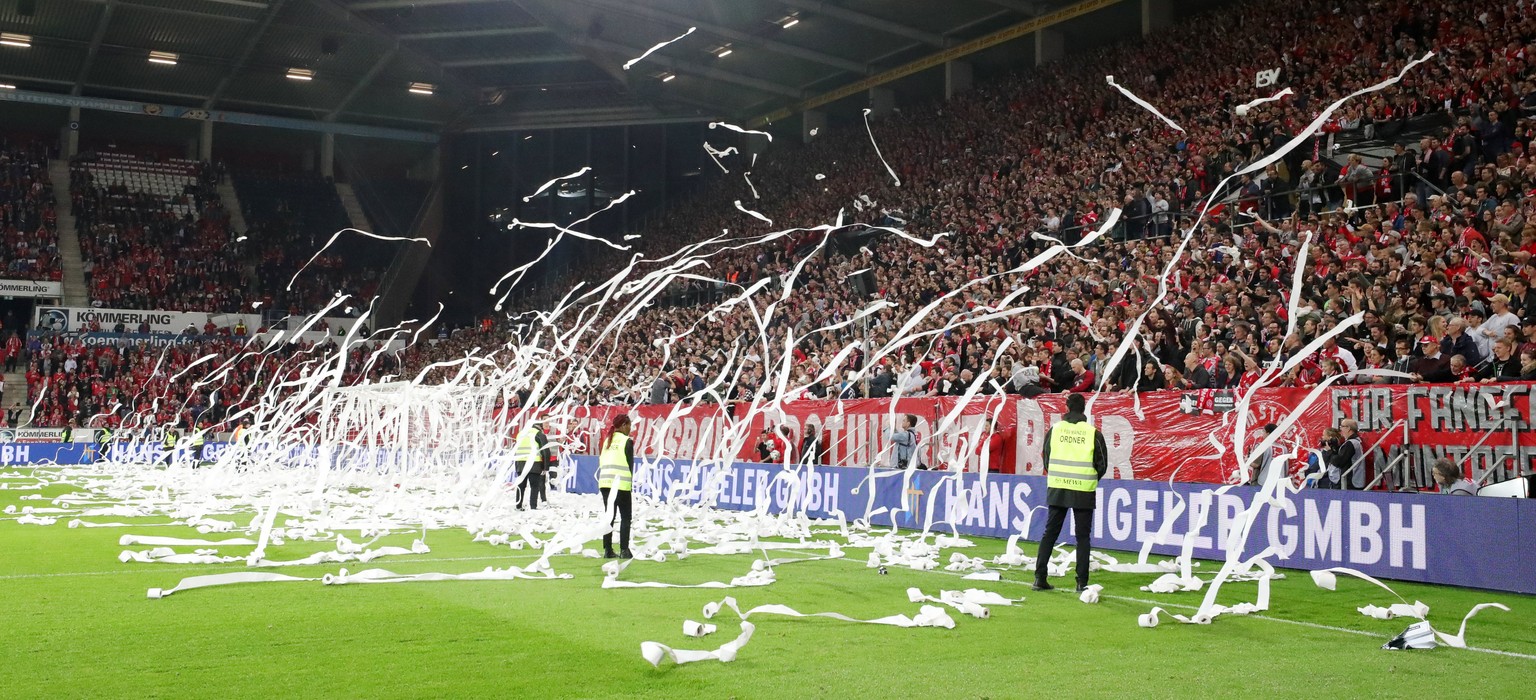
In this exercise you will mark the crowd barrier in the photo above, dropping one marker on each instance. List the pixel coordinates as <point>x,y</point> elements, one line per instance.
<point>1458,541</point>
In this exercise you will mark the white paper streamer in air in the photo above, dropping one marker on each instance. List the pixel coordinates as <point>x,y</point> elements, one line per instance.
<point>583,171</point>
<point>658,47</point>
<point>740,130</point>
<point>1144,104</point>
<point>872,142</point>
<point>1242,109</point>
<point>753,214</point>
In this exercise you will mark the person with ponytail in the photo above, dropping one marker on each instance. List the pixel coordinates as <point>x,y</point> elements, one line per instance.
<point>615,479</point>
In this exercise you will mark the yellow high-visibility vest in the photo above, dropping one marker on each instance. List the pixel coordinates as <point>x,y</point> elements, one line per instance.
<point>170,440</point>
<point>1071,465</point>
<point>527,448</point>
<point>613,468</point>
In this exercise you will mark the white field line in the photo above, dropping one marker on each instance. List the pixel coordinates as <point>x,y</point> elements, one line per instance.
<point>225,568</point>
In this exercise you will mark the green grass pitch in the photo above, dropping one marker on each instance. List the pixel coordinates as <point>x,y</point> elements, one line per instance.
<point>78,624</point>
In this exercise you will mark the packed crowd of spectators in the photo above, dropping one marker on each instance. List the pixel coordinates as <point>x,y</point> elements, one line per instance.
<point>139,253</point>
<point>29,239</point>
<point>139,383</point>
<point>1433,242</point>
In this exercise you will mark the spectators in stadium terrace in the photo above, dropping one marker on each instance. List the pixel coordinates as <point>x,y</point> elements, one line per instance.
<point>156,246</point>
<point>29,240</point>
<point>1427,231</point>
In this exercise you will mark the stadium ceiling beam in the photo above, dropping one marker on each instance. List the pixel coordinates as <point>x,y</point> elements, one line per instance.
<point>242,3</point>
<point>246,50</point>
<point>367,80</point>
<point>370,27</point>
<point>131,4</point>
<point>471,33</point>
<point>1023,7</point>
<point>515,60</point>
<point>398,4</point>
<point>677,66</point>
<point>102,23</point>
<point>639,9</point>
<point>859,18</point>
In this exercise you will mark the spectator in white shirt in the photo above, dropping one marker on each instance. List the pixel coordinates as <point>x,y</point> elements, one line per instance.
<point>1501,318</point>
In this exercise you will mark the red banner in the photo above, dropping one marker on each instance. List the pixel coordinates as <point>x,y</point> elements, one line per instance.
<point>1170,435</point>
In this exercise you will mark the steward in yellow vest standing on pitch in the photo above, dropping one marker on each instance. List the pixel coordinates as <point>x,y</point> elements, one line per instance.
<point>615,479</point>
<point>530,456</point>
<point>1075,459</point>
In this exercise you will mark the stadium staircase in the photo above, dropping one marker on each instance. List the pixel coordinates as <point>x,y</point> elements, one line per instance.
<point>231,200</point>
<point>75,291</point>
<point>15,393</point>
<point>354,208</point>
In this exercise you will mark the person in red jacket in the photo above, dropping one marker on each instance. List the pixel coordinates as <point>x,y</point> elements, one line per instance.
<point>999,447</point>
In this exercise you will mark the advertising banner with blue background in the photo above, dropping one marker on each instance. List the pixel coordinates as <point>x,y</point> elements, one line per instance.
<point>1461,541</point>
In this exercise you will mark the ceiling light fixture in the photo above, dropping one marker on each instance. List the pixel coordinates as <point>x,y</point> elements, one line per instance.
<point>20,41</point>
<point>721,51</point>
<point>164,58</point>
<point>665,76</point>
<point>422,88</point>
<point>788,20</point>
<point>7,86</point>
<point>301,74</point>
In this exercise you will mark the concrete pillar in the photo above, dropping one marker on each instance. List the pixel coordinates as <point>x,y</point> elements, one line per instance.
<point>307,161</point>
<point>72,136</point>
<point>328,154</point>
<point>882,101</point>
<point>812,120</point>
<point>1155,15</point>
<point>957,78</point>
<point>1049,46</point>
<point>205,142</point>
<point>191,149</point>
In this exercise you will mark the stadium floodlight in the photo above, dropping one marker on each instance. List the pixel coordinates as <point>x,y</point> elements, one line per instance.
<point>7,86</point>
<point>164,58</point>
<point>422,88</point>
<point>301,74</point>
<point>721,51</point>
<point>665,76</point>
<point>788,20</point>
<point>20,41</point>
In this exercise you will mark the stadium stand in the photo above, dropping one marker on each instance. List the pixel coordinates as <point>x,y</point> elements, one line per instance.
<point>291,217</point>
<point>28,222</point>
<point>1431,235</point>
<point>154,235</point>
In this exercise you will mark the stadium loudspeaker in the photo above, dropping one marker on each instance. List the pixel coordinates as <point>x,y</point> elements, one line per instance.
<point>864,284</point>
<point>26,8</point>
<point>329,45</point>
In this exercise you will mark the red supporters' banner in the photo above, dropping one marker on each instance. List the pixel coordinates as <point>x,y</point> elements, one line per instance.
<point>1167,435</point>
<point>1155,438</point>
<point>1483,427</point>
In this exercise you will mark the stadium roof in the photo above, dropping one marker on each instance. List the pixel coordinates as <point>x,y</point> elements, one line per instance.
<point>489,64</point>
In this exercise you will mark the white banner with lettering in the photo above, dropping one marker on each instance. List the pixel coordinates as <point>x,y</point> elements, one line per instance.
<point>75,319</point>
<point>31,288</point>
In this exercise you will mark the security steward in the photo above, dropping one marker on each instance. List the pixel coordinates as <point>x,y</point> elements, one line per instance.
<point>195,442</point>
<point>103,440</point>
<point>615,479</point>
<point>1075,459</point>
<point>531,457</point>
<point>169,444</point>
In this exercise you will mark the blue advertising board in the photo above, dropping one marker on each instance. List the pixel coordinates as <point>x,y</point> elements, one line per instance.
<point>1460,541</point>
